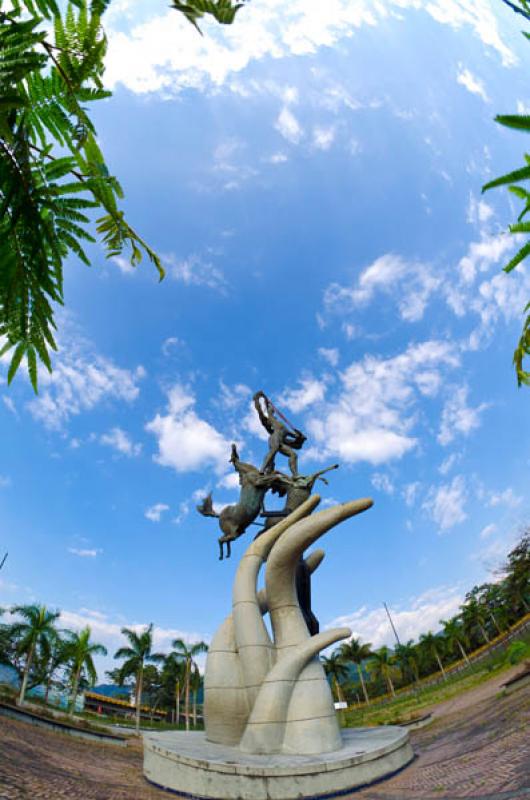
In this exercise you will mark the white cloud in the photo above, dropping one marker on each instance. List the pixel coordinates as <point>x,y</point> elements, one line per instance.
<point>229,481</point>
<point>154,513</point>
<point>458,417</point>
<point>412,618</point>
<point>478,212</point>
<point>493,555</point>
<point>108,632</point>
<point>229,166</point>
<point>481,257</point>
<point>499,298</point>
<point>288,126</point>
<point>329,354</point>
<point>9,404</point>
<point>411,282</point>
<point>184,510</point>
<point>121,441</point>
<point>473,84</point>
<point>85,553</point>
<point>186,442</point>
<point>5,481</point>
<point>350,331</point>
<point>233,396</point>
<point>310,392</point>
<point>373,415</point>
<point>410,493</point>
<point>446,503</point>
<point>278,158</point>
<point>124,265</point>
<point>488,531</point>
<point>323,137</point>
<point>503,297</point>
<point>505,498</point>
<point>193,271</point>
<point>355,147</point>
<point>161,53</point>
<point>382,483</point>
<point>81,380</point>
<point>170,344</point>
<point>448,463</point>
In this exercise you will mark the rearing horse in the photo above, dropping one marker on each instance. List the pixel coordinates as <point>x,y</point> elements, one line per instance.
<point>235,519</point>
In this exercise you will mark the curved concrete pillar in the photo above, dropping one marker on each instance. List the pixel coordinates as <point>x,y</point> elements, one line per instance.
<point>313,726</point>
<point>312,562</point>
<point>273,696</point>
<point>257,653</point>
<point>226,706</point>
<point>287,621</point>
<point>270,715</point>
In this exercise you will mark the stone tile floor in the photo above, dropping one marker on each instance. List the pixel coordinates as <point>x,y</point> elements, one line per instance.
<point>480,750</point>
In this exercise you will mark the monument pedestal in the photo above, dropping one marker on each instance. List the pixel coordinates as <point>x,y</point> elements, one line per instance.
<point>191,766</point>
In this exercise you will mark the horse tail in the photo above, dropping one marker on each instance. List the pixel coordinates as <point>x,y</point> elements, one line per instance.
<point>206,507</point>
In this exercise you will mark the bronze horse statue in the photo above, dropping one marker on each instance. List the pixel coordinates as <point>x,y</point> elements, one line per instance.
<point>235,519</point>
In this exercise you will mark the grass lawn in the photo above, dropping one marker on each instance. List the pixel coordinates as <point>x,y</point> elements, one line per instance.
<point>415,705</point>
<point>145,724</point>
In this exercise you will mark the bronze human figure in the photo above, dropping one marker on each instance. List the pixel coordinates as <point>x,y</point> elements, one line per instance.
<point>255,483</point>
<point>281,439</point>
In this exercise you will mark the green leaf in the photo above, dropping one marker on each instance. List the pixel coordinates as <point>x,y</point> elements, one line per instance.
<point>520,256</point>
<point>511,177</point>
<point>518,121</point>
<point>52,169</point>
<point>15,361</point>
<point>32,368</point>
<point>518,191</point>
<point>7,346</point>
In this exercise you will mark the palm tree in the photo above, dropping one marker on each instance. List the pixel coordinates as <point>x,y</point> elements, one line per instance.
<point>336,670</point>
<point>407,655</point>
<point>432,645</point>
<point>136,655</point>
<point>53,656</point>
<point>354,651</point>
<point>173,680</point>
<point>454,635</point>
<point>187,654</point>
<point>473,616</point>
<point>195,685</point>
<point>382,663</point>
<point>36,627</point>
<point>517,576</point>
<point>78,653</point>
<point>491,598</point>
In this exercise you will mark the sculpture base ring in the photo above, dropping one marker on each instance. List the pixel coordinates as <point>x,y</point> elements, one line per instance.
<point>190,766</point>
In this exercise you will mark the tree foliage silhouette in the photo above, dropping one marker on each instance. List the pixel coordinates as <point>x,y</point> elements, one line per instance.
<point>54,181</point>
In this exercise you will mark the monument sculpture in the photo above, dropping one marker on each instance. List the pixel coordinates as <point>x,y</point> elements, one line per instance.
<point>271,729</point>
<point>235,519</point>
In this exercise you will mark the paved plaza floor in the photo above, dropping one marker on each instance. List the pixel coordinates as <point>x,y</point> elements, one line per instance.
<point>478,746</point>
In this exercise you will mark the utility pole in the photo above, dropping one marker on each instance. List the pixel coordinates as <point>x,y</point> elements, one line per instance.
<point>392,624</point>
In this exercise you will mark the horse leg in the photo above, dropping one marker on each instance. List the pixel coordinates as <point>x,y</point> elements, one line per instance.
<point>228,549</point>
<point>220,540</point>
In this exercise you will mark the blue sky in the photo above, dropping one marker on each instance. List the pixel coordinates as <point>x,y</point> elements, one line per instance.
<point>312,181</point>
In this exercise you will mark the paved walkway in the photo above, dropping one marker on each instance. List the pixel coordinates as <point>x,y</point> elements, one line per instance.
<point>479,747</point>
<point>480,750</point>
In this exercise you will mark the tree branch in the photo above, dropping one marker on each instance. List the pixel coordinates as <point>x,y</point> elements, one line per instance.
<point>517,9</point>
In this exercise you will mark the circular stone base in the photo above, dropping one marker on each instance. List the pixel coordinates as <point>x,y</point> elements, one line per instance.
<point>189,765</point>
